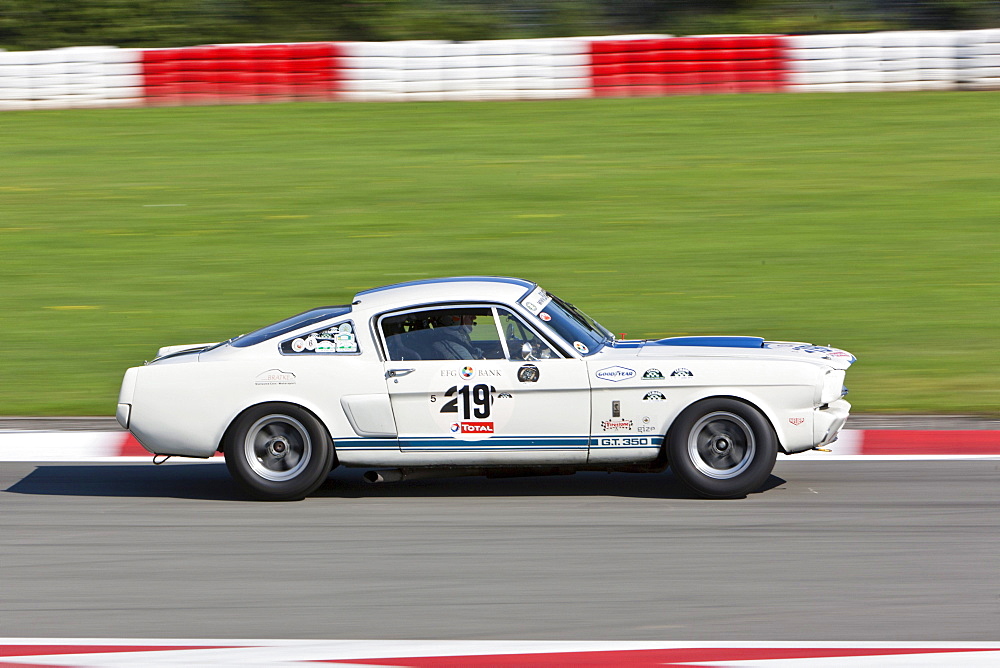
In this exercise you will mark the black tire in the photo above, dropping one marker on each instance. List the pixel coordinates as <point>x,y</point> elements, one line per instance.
<point>722,448</point>
<point>278,452</point>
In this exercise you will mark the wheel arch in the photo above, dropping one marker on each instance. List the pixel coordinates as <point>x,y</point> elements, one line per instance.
<point>220,446</point>
<point>752,403</point>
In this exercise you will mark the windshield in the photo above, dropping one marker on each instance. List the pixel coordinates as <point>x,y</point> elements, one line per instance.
<point>290,325</point>
<point>585,334</point>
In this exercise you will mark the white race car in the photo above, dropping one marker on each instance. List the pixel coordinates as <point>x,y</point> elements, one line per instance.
<point>482,376</point>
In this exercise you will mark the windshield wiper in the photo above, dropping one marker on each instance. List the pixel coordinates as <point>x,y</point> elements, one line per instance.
<point>585,320</point>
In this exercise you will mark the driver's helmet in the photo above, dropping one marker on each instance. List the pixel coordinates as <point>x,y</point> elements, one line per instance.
<point>463,321</point>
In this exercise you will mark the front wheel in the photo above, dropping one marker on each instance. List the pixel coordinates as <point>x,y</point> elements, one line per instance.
<point>278,452</point>
<point>722,448</point>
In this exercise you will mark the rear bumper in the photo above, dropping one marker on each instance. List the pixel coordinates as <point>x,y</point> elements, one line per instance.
<point>123,415</point>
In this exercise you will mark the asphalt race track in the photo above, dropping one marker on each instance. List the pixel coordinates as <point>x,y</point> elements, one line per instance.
<point>833,550</point>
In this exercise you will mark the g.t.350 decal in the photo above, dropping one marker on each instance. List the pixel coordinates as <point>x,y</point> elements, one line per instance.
<point>623,441</point>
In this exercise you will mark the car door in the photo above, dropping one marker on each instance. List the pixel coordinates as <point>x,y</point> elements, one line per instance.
<point>472,383</point>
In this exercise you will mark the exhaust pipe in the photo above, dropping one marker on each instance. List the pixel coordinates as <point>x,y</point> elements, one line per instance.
<point>387,475</point>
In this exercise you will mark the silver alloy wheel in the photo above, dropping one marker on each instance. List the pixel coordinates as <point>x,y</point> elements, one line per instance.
<point>277,447</point>
<point>721,445</point>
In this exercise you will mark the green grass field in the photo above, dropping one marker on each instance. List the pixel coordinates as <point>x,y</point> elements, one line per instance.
<point>869,222</point>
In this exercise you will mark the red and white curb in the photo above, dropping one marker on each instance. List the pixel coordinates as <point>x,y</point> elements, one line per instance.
<point>493,654</point>
<point>84,446</point>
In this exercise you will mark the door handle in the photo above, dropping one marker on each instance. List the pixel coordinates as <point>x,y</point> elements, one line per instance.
<point>396,373</point>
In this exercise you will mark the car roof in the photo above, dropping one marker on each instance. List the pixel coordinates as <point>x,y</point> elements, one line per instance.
<point>453,288</point>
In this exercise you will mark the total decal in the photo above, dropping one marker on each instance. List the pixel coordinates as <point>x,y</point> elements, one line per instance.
<point>471,411</point>
<point>472,427</point>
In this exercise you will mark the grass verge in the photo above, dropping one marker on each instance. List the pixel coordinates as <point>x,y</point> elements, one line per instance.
<point>869,222</point>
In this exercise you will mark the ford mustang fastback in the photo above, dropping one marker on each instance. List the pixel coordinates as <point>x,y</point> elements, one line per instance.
<point>482,376</point>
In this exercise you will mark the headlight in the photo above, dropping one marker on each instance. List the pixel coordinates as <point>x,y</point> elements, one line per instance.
<point>833,386</point>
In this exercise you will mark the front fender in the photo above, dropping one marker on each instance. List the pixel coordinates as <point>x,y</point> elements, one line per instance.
<point>788,409</point>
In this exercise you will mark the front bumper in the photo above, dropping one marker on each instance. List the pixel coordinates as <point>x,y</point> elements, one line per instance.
<point>829,420</point>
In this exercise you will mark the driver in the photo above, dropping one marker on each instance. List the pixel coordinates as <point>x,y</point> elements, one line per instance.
<point>453,340</point>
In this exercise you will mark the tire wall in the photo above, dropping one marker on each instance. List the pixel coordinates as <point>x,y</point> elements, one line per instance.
<point>556,68</point>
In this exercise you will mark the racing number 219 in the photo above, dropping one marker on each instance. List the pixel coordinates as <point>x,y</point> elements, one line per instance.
<point>476,400</point>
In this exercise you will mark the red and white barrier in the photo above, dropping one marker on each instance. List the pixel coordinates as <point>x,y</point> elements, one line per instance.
<point>86,76</point>
<point>63,446</point>
<point>485,70</point>
<point>979,60</point>
<point>572,67</point>
<point>874,62</point>
<point>241,73</point>
<point>688,65</point>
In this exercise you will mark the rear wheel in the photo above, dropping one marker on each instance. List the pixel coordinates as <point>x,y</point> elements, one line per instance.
<point>278,452</point>
<point>722,448</point>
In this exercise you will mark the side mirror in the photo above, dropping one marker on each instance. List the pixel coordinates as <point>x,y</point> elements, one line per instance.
<point>527,352</point>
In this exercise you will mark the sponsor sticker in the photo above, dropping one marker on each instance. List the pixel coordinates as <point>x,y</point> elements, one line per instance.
<point>536,301</point>
<point>652,374</point>
<point>796,421</point>
<point>335,339</point>
<point>654,396</point>
<point>528,373</point>
<point>682,373</point>
<point>472,427</point>
<point>344,343</point>
<point>545,316</point>
<point>616,425</point>
<point>582,348</point>
<point>647,425</point>
<point>823,351</point>
<point>615,373</point>
<point>469,372</point>
<point>275,377</point>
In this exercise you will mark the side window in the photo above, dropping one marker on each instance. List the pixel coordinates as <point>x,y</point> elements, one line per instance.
<point>453,333</point>
<point>339,338</point>
<point>522,342</point>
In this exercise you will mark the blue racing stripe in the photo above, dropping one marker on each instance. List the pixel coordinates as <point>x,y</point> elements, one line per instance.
<point>566,443</point>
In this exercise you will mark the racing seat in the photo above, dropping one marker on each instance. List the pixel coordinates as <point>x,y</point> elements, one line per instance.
<point>399,351</point>
<point>451,349</point>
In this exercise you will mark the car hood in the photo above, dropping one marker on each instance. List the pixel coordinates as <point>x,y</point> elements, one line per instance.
<point>729,346</point>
